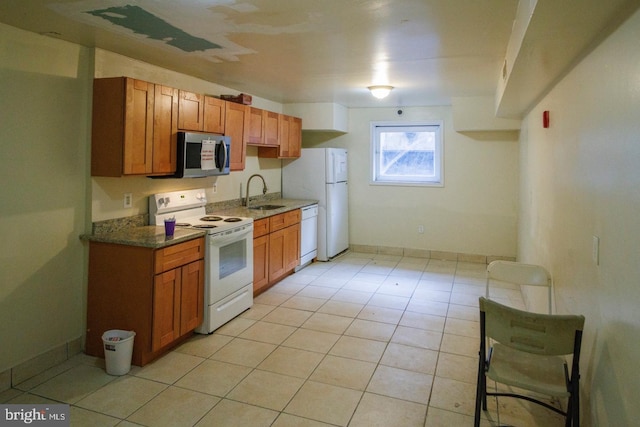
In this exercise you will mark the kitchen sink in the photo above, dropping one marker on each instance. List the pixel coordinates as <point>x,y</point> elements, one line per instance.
<point>266,207</point>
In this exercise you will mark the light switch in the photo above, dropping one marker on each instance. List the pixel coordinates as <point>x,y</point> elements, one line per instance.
<point>595,250</point>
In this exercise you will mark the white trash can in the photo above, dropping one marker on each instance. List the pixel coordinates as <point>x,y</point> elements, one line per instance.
<point>118,349</point>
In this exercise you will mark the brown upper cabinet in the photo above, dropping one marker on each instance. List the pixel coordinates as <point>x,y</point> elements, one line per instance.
<point>292,144</point>
<point>271,128</point>
<point>164,130</point>
<point>191,113</point>
<point>214,114</point>
<point>264,128</point>
<point>134,128</point>
<point>290,139</point>
<point>236,126</point>
<point>201,113</point>
<point>255,130</point>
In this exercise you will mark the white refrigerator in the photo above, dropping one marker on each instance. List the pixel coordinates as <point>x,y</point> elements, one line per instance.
<point>321,174</point>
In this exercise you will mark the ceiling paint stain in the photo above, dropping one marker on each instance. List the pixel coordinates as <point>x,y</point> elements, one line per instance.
<point>142,22</point>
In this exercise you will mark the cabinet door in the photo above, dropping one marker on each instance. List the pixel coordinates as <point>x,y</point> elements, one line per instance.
<point>191,296</point>
<point>165,128</point>
<point>284,135</point>
<point>291,248</point>
<point>271,128</point>
<point>214,114</point>
<point>138,127</point>
<point>260,263</point>
<point>255,135</point>
<point>166,308</point>
<point>191,111</point>
<point>295,137</point>
<point>290,137</point>
<point>276,255</point>
<point>236,123</point>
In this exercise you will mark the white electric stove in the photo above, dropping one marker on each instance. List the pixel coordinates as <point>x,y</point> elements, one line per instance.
<point>228,254</point>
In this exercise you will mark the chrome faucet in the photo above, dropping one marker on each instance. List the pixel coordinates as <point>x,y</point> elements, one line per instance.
<point>264,187</point>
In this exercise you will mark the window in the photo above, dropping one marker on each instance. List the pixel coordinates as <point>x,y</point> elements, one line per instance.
<point>406,153</point>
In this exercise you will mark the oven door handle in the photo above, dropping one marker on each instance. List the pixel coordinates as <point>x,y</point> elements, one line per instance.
<point>220,240</point>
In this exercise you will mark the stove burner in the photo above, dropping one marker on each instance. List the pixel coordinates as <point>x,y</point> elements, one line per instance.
<point>183,224</point>
<point>210,218</point>
<point>233,220</point>
<point>204,226</point>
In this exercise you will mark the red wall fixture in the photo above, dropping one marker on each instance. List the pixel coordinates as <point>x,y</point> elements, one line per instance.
<point>545,119</point>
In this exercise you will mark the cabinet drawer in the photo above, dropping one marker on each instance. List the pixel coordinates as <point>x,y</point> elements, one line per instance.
<point>174,256</point>
<point>292,217</point>
<point>260,227</point>
<point>283,220</point>
<point>276,222</point>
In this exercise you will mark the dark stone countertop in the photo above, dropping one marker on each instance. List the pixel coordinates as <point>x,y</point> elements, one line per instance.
<point>152,236</point>
<point>149,236</point>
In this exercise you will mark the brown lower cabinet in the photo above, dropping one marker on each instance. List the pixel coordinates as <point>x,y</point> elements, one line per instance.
<point>276,249</point>
<point>158,293</point>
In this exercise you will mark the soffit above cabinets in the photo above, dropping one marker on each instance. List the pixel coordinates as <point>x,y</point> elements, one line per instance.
<point>549,38</point>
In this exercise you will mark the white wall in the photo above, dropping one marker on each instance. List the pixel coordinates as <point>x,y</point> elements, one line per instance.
<point>48,198</point>
<point>581,178</point>
<point>44,104</point>
<point>474,213</point>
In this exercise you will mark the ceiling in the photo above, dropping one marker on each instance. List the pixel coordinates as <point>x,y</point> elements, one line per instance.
<point>303,51</point>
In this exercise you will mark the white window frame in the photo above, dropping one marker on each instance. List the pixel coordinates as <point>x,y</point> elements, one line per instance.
<point>378,127</point>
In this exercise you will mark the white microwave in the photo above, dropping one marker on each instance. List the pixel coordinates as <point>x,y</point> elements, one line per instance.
<point>202,154</point>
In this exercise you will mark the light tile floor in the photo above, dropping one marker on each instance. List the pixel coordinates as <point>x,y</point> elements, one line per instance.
<point>364,340</point>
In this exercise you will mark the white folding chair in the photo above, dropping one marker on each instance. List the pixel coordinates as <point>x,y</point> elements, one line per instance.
<point>519,274</point>
<point>528,351</point>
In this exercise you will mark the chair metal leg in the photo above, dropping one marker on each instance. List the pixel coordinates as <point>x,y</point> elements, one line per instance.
<point>481,395</point>
<point>573,407</point>
<point>576,410</point>
<point>568,420</point>
<point>484,394</point>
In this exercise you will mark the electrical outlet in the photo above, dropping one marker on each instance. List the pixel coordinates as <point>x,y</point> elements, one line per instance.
<point>421,229</point>
<point>128,200</point>
<point>595,250</point>
<point>215,188</point>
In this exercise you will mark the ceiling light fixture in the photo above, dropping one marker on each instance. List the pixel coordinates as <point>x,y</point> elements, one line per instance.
<point>380,91</point>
